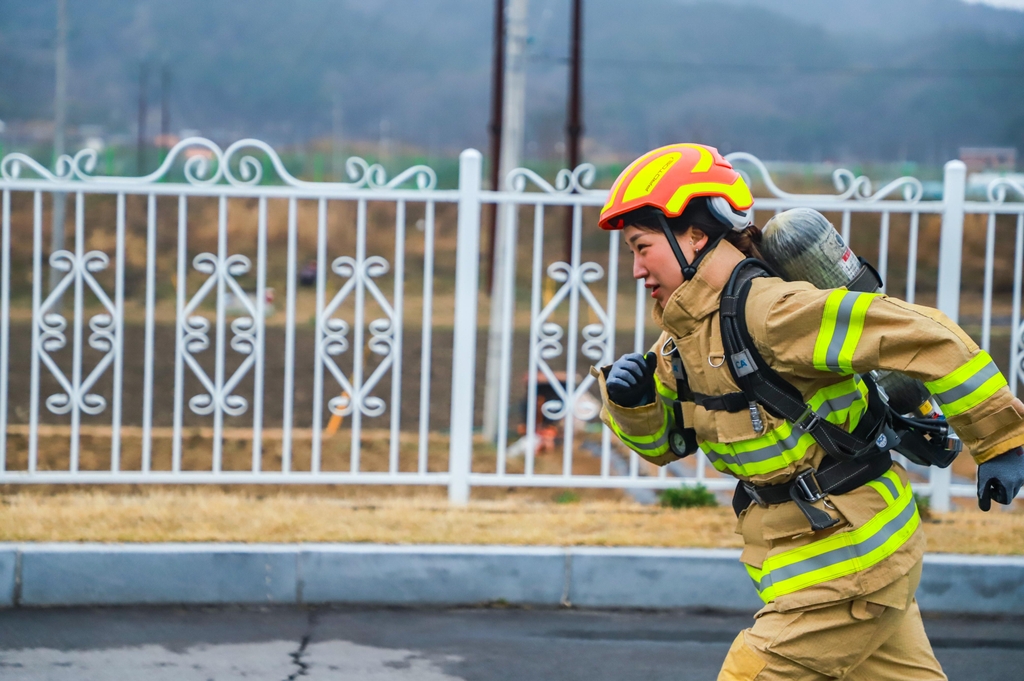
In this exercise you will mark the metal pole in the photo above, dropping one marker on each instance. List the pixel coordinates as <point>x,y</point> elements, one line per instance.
<point>494,128</point>
<point>140,160</point>
<point>467,272</point>
<point>575,124</point>
<point>952,238</point>
<point>951,241</point>
<point>60,106</point>
<point>512,130</point>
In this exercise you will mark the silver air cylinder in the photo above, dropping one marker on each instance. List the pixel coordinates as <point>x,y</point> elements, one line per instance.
<point>802,245</point>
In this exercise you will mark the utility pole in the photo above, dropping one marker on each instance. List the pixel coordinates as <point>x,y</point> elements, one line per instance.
<point>140,160</point>
<point>575,117</point>
<point>514,117</point>
<point>512,132</point>
<point>494,128</point>
<point>60,107</point>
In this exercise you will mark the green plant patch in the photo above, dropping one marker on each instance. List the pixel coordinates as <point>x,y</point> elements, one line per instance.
<point>697,496</point>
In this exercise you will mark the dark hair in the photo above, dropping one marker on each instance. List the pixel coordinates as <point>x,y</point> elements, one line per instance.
<point>697,214</point>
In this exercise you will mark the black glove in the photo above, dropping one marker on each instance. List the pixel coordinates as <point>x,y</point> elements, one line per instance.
<point>1000,478</point>
<point>630,380</point>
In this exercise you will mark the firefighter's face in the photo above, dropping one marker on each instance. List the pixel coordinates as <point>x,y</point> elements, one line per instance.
<point>654,261</point>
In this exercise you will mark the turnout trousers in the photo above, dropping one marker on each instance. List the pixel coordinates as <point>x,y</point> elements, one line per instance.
<point>878,637</point>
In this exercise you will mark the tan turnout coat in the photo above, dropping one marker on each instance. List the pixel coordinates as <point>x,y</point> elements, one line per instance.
<point>785,321</point>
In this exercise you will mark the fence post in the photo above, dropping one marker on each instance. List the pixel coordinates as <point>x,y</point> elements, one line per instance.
<point>467,270</point>
<point>951,242</point>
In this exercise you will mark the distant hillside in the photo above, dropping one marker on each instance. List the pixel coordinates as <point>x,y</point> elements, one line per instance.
<point>894,19</point>
<point>801,79</point>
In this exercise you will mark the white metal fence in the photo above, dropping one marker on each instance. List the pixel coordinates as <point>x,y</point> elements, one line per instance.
<point>157,347</point>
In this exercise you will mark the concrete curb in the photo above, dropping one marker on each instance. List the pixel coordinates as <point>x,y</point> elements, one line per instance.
<point>33,575</point>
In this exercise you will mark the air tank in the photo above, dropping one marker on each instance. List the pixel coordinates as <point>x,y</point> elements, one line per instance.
<point>802,245</point>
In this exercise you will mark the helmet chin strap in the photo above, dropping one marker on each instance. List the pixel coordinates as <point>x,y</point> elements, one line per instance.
<point>689,269</point>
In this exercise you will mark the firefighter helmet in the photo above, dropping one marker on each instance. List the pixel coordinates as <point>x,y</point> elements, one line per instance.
<point>668,177</point>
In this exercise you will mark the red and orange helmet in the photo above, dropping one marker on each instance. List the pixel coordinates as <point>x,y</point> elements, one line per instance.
<point>667,178</point>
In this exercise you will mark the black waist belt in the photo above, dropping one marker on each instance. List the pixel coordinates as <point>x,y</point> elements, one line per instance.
<point>730,402</point>
<point>832,477</point>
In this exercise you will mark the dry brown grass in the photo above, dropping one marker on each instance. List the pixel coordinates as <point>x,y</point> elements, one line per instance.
<point>209,515</point>
<point>971,531</point>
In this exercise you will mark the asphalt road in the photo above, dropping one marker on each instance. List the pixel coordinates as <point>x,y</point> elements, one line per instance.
<point>373,644</point>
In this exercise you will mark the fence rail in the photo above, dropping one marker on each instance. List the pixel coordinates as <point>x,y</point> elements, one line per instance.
<point>154,347</point>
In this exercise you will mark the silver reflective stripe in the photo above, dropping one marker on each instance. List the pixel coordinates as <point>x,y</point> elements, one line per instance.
<point>775,449</point>
<point>835,345</point>
<point>968,386</point>
<point>840,403</point>
<point>889,485</point>
<point>843,553</point>
<point>758,455</point>
<point>647,446</point>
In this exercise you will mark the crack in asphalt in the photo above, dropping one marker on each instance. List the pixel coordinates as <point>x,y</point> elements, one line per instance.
<point>297,656</point>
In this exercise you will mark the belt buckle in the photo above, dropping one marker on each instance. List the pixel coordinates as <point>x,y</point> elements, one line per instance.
<point>810,417</point>
<point>807,485</point>
<point>752,492</point>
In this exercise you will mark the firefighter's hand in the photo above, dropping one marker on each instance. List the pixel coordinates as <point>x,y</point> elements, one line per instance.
<point>630,380</point>
<point>1000,478</point>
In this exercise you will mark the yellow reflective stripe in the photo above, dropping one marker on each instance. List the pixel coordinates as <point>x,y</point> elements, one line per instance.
<point>665,391</point>
<point>738,194</point>
<point>883,491</point>
<point>827,328</point>
<point>839,539</point>
<point>967,386</point>
<point>779,454</point>
<point>645,445</point>
<point>644,182</point>
<point>844,553</point>
<point>842,325</point>
<point>844,401</point>
<point>984,391</point>
<point>860,312</point>
<point>625,173</point>
<point>705,161</point>
<point>958,376</point>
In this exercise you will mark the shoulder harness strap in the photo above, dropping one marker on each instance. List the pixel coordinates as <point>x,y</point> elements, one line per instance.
<point>763,386</point>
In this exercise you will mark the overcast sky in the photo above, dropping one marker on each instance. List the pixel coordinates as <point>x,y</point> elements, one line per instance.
<point>1014,4</point>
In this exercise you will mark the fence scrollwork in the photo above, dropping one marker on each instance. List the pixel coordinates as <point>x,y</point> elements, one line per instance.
<point>549,339</point>
<point>848,185</point>
<point>195,334</point>
<point>334,341</point>
<point>576,181</point>
<point>205,163</point>
<point>998,189</point>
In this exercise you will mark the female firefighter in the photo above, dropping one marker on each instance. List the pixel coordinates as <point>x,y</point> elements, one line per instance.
<point>829,522</point>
